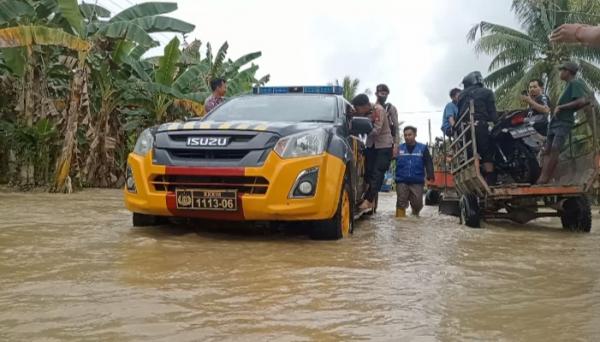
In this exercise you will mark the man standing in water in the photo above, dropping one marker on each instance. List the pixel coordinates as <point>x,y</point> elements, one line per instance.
<point>412,164</point>
<point>379,147</point>
<point>573,98</point>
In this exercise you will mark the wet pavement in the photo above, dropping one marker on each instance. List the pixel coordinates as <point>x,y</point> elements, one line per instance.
<point>73,269</point>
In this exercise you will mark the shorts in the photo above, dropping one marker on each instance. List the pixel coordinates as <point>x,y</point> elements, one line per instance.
<point>556,137</point>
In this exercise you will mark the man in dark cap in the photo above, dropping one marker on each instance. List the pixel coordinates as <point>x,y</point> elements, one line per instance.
<point>484,103</point>
<point>573,98</point>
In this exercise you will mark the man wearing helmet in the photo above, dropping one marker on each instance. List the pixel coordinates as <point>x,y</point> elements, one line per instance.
<point>485,112</point>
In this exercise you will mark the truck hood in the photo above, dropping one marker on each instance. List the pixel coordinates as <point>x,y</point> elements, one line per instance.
<point>280,128</point>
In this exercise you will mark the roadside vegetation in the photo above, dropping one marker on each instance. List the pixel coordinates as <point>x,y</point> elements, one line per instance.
<point>77,87</point>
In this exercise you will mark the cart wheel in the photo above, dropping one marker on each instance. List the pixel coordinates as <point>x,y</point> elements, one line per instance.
<point>469,211</point>
<point>577,215</point>
<point>432,197</point>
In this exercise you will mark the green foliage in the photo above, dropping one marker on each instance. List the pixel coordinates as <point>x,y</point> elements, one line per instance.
<point>69,9</point>
<point>11,11</point>
<point>33,145</point>
<point>45,45</point>
<point>519,56</point>
<point>350,86</point>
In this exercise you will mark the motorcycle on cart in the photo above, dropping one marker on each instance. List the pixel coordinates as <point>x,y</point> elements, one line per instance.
<point>518,138</point>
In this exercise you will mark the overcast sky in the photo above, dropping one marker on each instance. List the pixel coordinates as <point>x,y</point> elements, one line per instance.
<point>417,47</point>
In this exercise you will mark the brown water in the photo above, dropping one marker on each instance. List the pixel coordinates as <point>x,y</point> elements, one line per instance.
<point>72,268</point>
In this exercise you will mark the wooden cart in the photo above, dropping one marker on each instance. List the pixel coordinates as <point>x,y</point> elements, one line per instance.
<point>564,197</point>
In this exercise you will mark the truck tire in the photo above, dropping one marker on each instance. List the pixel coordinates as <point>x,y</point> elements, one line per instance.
<point>577,215</point>
<point>469,211</point>
<point>341,224</point>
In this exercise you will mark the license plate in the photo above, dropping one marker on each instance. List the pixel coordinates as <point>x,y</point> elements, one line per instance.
<point>521,132</point>
<point>206,199</point>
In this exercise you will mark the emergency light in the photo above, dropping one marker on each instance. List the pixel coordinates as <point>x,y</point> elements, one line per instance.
<point>331,90</point>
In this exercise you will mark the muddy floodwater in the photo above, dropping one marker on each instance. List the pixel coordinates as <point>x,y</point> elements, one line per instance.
<point>73,269</point>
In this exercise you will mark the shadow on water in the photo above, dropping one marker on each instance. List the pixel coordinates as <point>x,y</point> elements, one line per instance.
<point>228,231</point>
<point>542,226</point>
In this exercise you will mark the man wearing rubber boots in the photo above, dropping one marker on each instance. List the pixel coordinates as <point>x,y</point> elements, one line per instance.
<point>413,162</point>
<point>485,112</point>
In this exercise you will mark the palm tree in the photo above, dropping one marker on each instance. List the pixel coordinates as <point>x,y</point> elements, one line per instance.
<point>350,86</point>
<point>519,56</point>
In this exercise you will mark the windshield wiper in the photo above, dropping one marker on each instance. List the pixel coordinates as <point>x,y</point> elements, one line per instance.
<point>325,121</point>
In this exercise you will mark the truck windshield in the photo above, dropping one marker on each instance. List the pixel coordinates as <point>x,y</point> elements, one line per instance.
<point>291,108</point>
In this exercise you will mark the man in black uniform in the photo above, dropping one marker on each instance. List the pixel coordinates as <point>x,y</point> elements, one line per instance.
<point>485,112</point>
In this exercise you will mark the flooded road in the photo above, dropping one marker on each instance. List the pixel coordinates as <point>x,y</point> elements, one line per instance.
<point>73,269</point>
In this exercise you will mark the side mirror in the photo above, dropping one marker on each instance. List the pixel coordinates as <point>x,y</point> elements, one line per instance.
<point>360,125</point>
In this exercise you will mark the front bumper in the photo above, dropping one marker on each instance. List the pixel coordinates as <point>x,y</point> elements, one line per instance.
<point>272,205</point>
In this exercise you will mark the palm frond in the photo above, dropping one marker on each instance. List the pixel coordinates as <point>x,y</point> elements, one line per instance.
<point>499,42</point>
<point>591,74</point>
<point>486,28</point>
<point>509,57</point>
<point>504,74</point>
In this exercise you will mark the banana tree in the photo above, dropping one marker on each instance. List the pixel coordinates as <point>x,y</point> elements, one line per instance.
<point>18,43</point>
<point>157,90</point>
<point>132,25</point>
<point>240,77</point>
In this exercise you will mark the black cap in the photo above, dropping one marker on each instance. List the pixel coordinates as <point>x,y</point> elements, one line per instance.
<point>570,66</point>
<point>382,87</point>
<point>360,100</point>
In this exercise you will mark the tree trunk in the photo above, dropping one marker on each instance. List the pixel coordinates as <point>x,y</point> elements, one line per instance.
<point>100,162</point>
<point>78,104</point>
<point>26,166</point>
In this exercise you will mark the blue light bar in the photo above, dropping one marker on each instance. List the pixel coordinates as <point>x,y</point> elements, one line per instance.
<point>331,90</point>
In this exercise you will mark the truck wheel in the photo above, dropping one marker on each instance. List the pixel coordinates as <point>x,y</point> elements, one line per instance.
<point>432,197</point>
<point>341,224</point>
<point>142,220</point>
<point>469,211</point>
<point>577,215</point>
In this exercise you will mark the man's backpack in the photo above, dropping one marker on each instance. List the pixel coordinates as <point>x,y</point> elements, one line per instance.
<point>393,127</point>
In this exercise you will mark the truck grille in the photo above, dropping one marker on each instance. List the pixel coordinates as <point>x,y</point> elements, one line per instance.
<point>243,184</point>
<point>209,154</point>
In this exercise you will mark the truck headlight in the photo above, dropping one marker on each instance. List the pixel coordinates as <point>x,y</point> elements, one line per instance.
<point>144,143</point>
<point>311,143</point>
<point>129,180</point>
<point>305,184</point>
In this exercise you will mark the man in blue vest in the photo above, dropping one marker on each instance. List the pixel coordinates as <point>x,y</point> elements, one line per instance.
<point>413,163</point>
